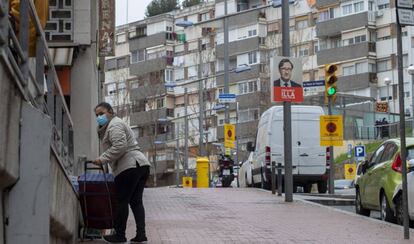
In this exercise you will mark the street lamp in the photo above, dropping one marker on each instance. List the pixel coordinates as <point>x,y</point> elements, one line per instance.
<point>388,82</point>
<point>410,71</point>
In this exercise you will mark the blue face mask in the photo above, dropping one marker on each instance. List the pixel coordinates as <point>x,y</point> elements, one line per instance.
<point>102,120</point>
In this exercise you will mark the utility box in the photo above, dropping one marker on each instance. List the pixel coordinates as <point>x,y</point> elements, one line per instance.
<point>202,172</point>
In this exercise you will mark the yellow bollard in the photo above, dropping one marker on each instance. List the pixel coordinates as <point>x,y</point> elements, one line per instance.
<point>187,182</point>
<point>202,172</point>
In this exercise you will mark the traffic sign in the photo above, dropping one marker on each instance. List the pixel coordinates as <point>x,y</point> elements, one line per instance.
<point>314,83</point>
<point>229,135</point>
<point>350,171</point>
<point>227,98</point>
<point>331,130</point>
<point>359,152</point>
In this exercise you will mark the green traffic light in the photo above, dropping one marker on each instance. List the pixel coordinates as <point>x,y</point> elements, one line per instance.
<point>331,91</point>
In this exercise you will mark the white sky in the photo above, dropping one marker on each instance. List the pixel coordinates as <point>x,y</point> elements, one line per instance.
<point>136,10</point>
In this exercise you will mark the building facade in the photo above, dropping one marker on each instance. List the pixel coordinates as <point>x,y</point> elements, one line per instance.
<point>358,36</point>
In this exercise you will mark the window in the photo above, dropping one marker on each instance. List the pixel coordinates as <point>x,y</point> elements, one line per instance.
<point>252,57</point>
<point>169,29</point>
<point>301,24</point>
<point>349,70</point>
<point>361,68</point>
<point>359,7</point>
<point>376,156</point>
<point>141,31</point>
<point>248,87</point>
<point>383,65</point>
<point>361,38</point>
<point>405,60</point>
<point>121,38</point>
<point>389,151</point>
<point>372,68</point>
<point>347,9</point>
<point>122,62</point>
<point>327,14</point>
<point>160,102</point>
<point>169,75</point>
<point>221,90</point>
<point>248,115</point>
<point>252,32</point>
<point>137,56</point>
<point>303,51</point>
<point>110,64</point>
<point>382,4</point>
<point>336,42</point>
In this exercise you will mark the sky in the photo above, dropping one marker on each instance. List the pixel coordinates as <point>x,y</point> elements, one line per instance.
<point>136,10</point>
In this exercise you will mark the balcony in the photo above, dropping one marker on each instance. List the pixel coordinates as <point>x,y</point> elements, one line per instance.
<point>234,77</point>
<point>147,41</point>
<point>252,100</point>
<point>345,53</point>
<point>245,130</point>
<point>143,92</point>
<point>355,82</point>
<point>148,66</point>
<point>238,47</point>
<point>324,3</point>
<point>334,27</point>
<point>150,117</point>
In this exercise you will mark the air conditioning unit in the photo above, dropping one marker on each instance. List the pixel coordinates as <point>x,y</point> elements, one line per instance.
<point>379,13</point>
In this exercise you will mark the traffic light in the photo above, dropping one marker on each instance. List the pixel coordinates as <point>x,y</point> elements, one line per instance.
<point>330,82</point>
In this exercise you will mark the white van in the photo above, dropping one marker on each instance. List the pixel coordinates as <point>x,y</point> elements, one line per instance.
<point>308,157</point>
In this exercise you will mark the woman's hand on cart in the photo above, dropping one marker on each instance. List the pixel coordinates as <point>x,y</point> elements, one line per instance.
<point>97,162</point>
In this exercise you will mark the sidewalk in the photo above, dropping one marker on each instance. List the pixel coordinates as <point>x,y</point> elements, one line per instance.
<point>246,215</point>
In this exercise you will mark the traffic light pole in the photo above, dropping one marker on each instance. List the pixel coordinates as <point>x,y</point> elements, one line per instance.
<point>331,189</point>
<point>287,120</point>
<point>403,152</point>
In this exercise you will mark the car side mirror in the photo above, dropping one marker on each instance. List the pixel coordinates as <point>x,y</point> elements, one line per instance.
<point>250,147</point>
<point>364,166</point>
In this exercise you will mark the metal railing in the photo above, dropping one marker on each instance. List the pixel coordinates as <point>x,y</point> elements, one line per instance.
<point>31,73</point>
<point>384,131</point>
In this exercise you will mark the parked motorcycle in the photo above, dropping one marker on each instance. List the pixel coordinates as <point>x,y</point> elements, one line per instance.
<point>226,170</point>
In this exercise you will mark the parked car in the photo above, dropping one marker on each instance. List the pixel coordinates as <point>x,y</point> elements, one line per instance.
<point>344,184</point>
<point>381,175</point>
<point>397,197</point>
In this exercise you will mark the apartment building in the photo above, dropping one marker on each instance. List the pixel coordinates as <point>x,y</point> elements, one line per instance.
<point>164,59</point>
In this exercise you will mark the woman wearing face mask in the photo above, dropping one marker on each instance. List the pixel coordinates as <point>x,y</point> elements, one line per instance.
<point>130,167</point>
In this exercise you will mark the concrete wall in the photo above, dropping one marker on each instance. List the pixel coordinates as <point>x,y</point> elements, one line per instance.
<point>10,104</point>
<point>345,53</point>
<point>148,66</point>
<point>84,90</point>
<point>335,26</point>
<point>147,41</point>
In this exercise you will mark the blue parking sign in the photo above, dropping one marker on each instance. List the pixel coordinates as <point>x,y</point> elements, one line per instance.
<point>359,151</point>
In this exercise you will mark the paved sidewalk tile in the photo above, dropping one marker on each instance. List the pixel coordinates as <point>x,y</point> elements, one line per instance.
<point>246,215</point>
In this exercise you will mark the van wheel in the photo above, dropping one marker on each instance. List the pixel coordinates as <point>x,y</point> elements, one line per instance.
<point>386,212</point>
<point>359,209</point>
<point>322,186</point>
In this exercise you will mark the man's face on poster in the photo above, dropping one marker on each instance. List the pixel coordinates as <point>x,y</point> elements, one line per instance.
<point>286,71</point>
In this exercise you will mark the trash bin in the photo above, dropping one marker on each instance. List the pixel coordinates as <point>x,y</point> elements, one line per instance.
<point>202,172</point>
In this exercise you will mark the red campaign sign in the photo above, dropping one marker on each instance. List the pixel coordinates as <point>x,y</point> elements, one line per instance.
<point>287,94</point>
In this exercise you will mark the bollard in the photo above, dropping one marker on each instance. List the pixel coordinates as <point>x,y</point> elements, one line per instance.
<point>279,179</point>
<point>273,178</point>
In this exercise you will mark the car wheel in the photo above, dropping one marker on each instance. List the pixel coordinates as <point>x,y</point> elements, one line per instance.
<point>386,211</point>
<point>359,209</point>
<point>322,186</point>
<point>399,215</point>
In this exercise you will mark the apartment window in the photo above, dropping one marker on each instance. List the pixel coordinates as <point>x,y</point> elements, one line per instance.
<point>192,71</point>
<point>347,9</point>
<point>121,38</point>
<point>137,56</point>
<point>405,60</point>
<point>359,7</point>
<point>160,102</point>
<point>361,68</point>
<point>252,57</point>
<point>303,51</point>
<point>110,89</point>
<point>382,4</point>
<point>248,115</point>
<point>247,87</point>
<point>361,38</point>
<point>169,75</point>
<point>372,68</point>
<point>336,42</point>
<point>252,32</point>
<point>301,24</point>
<point>141,31</point>
<point>349,70</point>
<point>122,62</point>
<point>179,74</point>
<point>316,47</point>
<point>203,16</point>
<point>110,64</point>
<point>383,65</point>
<point>262,41</point>
<point>348,42</point>
<point>169,29</point>
<point>221,90</point>
<point>327,14</point>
